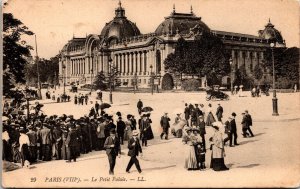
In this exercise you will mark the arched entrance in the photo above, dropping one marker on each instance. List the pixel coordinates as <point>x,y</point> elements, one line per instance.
<point>167,82</point>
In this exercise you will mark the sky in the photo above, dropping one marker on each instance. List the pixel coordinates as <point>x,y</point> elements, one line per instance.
<point>56,21</point>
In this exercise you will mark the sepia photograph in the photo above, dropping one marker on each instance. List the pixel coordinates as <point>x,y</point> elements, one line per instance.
<point>150,94</point>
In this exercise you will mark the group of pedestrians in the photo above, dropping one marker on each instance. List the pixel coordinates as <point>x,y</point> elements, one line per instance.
<point>81,99</point>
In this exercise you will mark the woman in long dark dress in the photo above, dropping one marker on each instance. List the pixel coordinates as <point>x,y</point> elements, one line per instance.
<point>218,152</point>
<point>210,117</point>
<point>63,147</point>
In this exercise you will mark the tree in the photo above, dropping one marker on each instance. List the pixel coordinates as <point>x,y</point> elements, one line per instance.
<point>258,73</point>
<point>48,74</point>
<point>205,56</point>
<point>286,62</point>
<point>100,82</point>
<point>15,50</point>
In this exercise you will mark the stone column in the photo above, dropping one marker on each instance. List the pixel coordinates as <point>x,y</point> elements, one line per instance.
<point>138,61</point>
<point>128,63</point>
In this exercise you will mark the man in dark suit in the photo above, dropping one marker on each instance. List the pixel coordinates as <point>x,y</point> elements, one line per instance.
<point>219,112</point>
<point>135,148</point>
<point>164,123</point>
<point>187,113</point>
<point>139,106</point>
<point>121,129</point>
<point>249,122</point>
<point>232,130</point>
<point>71,143</point>
<point>113,148</point>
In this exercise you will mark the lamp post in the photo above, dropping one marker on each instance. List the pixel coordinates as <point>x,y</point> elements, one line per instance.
<point>64,78</point>
<point>110,80</point>
<point>151,79</point>
<point>274,100</point>
<point>231,76</point>
<point>27,99</point>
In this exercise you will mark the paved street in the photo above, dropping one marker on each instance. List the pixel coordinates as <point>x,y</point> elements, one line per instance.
<point>271,158</point>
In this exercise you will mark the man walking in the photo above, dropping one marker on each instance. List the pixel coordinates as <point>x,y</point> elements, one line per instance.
<point>135,148</point>
<point>120,130</point>
<point>219,113</point>
<point>113,148</point>
<point>249,122</point>
<point>164,123</point>
<point>139,106</point>
<point>232,130</point>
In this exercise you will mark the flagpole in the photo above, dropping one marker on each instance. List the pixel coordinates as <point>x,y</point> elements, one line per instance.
<point>38,72</point>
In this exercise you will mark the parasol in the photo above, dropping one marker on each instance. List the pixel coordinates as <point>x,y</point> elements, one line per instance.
<point>147,109</point>
<point>104,106</point>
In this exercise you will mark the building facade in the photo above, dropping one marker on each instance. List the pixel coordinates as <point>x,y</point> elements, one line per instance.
<point>136,56</point>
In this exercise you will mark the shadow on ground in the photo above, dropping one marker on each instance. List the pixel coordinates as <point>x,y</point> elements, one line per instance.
<point>249,166</point>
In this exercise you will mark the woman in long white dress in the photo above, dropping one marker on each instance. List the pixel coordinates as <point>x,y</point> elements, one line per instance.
<point>189,142</point>
<point>218,151</point>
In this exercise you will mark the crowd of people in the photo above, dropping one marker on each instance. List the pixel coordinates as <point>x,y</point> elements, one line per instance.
<point>45,138</point>
<point>41,137</point>
<point>192,129</point>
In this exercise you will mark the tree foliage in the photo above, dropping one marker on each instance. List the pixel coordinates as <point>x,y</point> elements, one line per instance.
<point>15,50</point>
<point>286,62</point>
<point>48,70</point>
<point>202,57</point>
<point>100,81</point>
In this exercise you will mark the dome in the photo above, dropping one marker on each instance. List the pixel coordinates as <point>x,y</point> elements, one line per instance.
<point>181,23</point>
<point>120,27</point>
<point>271,33</point>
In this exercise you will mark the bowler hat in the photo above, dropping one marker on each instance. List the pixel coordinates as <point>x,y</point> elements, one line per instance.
<point>233,114</point>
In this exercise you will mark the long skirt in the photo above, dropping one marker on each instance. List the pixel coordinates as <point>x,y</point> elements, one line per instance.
<point>64,151</point>
<point>127,135</point>
<point>217,164</point>
<point>210,119</point>
<point>190,158</point>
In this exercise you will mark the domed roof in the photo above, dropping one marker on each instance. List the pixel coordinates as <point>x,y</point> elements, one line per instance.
<point>271,33</point>
<point>120,27</point>
<point>181,23</point>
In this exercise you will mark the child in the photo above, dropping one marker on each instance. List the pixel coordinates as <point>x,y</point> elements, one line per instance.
<point>201,153</point>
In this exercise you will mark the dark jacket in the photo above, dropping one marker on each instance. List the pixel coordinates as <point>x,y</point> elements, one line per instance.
<point>164,122</point>
<point>135,149</point>
<point>139,104</point>
<point>244,122</point>
<point>232,126</point>
<point>112,150</point>
<point>248,120</point>
<point>219,112</point>
<point>186,113</point>
<point>121,127</point>
<point>71,138</point>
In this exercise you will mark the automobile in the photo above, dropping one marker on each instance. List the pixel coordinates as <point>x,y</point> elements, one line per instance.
<point>213,94</point>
